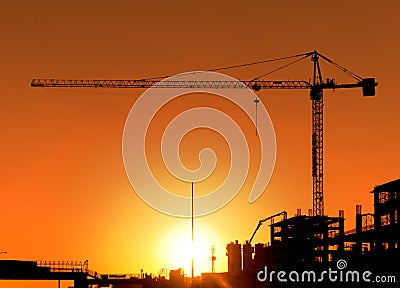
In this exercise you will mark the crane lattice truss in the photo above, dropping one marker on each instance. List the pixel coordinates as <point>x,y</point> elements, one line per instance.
<point>316,88</point>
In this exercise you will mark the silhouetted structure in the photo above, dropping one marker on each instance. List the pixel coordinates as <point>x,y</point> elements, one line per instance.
<point>177,278</point>
<point>302,243</point>
<point>297,241</point>
<point>234,253</point>
<point>76,271</point>
<point>375,240</point>
<point>213,259</point>
<point>318,243</point>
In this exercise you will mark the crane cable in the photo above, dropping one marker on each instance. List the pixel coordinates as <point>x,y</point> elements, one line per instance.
<point>261,62</point>
<point>341,68</point>
<point>305,55</point>
<point>281,67</point>
<point>256,100</point>
<point>244,65</point>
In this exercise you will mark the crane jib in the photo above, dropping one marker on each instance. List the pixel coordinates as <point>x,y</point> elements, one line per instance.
<point>211,84</point>
<point>367,84</point>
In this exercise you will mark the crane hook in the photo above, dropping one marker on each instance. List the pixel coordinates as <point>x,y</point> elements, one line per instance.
<point>256,102</point>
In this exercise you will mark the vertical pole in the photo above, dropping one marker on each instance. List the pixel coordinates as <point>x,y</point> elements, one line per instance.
<point>192,234</point>
<point>358,246</point>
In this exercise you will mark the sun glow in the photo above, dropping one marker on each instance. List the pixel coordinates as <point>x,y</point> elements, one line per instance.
<point>180,249</point>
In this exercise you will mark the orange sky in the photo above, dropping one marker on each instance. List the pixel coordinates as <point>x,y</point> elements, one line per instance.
<point>64,191</point>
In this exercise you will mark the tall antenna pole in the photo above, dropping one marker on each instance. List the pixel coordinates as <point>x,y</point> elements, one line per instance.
<point>192,234</point>
<point>213,258</point>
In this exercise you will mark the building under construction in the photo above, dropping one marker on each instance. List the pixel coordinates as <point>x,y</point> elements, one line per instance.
<point>376,238</point>
<point>299,240</point>
<point>307,242</point>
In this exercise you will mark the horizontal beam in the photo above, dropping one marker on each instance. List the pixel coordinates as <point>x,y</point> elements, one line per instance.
<point>253,84</point>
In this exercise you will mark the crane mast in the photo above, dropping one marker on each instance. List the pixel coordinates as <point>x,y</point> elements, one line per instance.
<point>316,88</point>
<point>317,140</point>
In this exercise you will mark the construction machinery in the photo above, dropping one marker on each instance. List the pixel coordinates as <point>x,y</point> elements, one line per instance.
<point>283,213</point>
<point>316,87</point>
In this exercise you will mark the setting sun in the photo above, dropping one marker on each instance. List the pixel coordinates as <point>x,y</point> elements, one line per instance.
<point>179,248</point>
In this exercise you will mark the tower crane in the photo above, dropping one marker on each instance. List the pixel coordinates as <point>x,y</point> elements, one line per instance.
<point>316,87</point>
